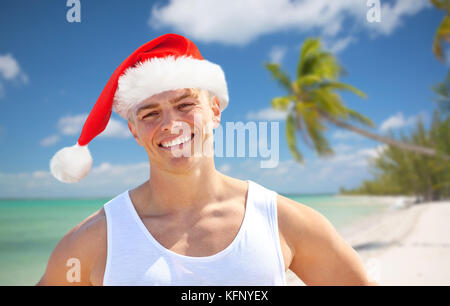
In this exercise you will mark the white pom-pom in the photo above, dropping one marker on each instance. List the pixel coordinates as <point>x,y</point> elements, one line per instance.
<point>71,164</point>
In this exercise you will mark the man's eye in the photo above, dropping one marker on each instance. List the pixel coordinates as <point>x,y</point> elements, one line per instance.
<point>185,105</point>
<point>152,114</point>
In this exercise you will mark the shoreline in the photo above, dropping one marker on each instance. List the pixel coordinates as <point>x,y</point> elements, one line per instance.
<point>405,244</point>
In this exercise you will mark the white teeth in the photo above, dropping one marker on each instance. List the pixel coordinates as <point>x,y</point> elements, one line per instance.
<point>176,141</point>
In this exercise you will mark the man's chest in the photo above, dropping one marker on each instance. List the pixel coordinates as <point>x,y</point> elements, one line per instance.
<point>199,235</point>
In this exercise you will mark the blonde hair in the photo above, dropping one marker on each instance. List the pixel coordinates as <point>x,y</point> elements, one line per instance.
<point>196,92</point>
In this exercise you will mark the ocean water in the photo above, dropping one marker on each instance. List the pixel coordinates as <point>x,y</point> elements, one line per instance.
<point>30,229</point>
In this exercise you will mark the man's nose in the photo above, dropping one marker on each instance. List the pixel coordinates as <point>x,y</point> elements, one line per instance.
<point>169,121</point>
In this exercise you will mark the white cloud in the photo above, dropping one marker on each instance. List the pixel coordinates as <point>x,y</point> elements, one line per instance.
<point>358,157</point>
<point>277,54</point>
<point>10,69</point>
<point>72,125</point>
<point>116,129</point>
<point>103,180</point>
<point>130,172</point>
<point>399,121</point>
<point>244,21</point>
<point>341,148</point>
<point>392,14</point>
<point>50,140</point>
<point>41,174</point>
<point>339,45</point>
<point>348,167</point>
<point>267,114</point>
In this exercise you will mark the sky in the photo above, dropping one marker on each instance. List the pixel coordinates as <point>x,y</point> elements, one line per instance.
<point>52,71</point>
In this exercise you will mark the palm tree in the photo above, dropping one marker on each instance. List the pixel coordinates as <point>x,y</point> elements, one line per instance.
<point>443,32</point>
<point>311,101</point>
<point>442,91</point>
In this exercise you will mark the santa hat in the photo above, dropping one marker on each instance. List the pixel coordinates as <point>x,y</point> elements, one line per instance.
<point>166,63</point>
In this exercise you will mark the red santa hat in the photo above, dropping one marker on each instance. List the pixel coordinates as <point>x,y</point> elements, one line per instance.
<point>166,63</point>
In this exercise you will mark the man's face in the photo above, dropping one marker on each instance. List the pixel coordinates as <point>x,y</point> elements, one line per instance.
<point>175,127</point>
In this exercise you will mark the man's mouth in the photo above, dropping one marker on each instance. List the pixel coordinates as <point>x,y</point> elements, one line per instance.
<point>176,142</point>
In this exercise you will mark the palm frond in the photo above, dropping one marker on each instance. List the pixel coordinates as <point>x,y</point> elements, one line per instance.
<point>441,4</point>
<point>281,103</point>
<point>308,80</point>
<point>343,86</point>
<point>360,118</point>
<point>322,64</point>
<point>315,131</point>
<point>329,102</point>
<point>280,76</point>
<point>442,34</point>
<point>310,49</point>
<point>315,61</point>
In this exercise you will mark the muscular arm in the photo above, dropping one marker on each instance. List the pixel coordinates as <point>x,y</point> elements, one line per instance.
<point>81,248</point>
<point>320,256</point>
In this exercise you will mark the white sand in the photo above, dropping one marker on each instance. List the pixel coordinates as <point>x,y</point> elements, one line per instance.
<point>403,246</point>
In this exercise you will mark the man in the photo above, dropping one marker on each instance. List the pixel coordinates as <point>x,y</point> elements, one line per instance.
<point>188,224</point>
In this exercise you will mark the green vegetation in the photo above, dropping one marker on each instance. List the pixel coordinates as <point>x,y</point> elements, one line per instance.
<point>311,98</point>
<point>443,32</point>
<point>399,172</point>
<point>312,101</point>
<point>442,91</point>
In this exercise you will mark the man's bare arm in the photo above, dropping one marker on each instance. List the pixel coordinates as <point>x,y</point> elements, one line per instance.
<point>73,259</point>
<point>320,255</point>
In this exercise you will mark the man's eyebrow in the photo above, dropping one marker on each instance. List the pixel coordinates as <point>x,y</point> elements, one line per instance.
<point>172,101</point>
<point>181,97</point>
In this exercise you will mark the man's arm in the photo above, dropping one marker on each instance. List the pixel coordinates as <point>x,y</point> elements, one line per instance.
<point>320,255</point>
<point>73,259</point>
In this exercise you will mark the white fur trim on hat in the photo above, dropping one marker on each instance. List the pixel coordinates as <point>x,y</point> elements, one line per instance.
<point>161,74</point>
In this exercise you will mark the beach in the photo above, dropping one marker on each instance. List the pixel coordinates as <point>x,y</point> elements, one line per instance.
<point>407,244</point>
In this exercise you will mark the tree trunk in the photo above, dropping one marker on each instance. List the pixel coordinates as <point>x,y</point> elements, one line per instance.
<point>386,140</point>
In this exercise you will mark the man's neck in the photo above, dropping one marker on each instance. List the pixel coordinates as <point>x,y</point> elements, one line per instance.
<point>173,192</point>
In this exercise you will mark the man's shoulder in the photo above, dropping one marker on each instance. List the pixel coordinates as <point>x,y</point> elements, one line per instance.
<point>297,220</point>
<point>320,254</point>
<point>84,245</point>
<point>87,238</point>
<point>92,226</point>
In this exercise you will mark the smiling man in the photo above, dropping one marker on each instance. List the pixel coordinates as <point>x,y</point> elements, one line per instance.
<point>188,224</point>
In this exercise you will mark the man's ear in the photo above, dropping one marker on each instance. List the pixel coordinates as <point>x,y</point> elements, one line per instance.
<point>133,132</point>
<point>216,111</point>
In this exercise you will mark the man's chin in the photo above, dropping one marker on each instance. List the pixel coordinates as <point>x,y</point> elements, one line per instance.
<point>181,165</point>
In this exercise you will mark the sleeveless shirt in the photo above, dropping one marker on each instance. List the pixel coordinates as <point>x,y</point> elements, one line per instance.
<point>253,258</point>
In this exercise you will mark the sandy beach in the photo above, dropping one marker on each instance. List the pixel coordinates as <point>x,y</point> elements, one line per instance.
<point>404,245</point>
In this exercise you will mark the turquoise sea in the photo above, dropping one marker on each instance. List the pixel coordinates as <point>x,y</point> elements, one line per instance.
<point>31,228</point>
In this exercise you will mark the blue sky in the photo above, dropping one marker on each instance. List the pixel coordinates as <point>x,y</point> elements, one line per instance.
<point>52,71</point>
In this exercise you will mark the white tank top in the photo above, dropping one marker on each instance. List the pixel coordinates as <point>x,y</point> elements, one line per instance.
<point>253,258</point>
